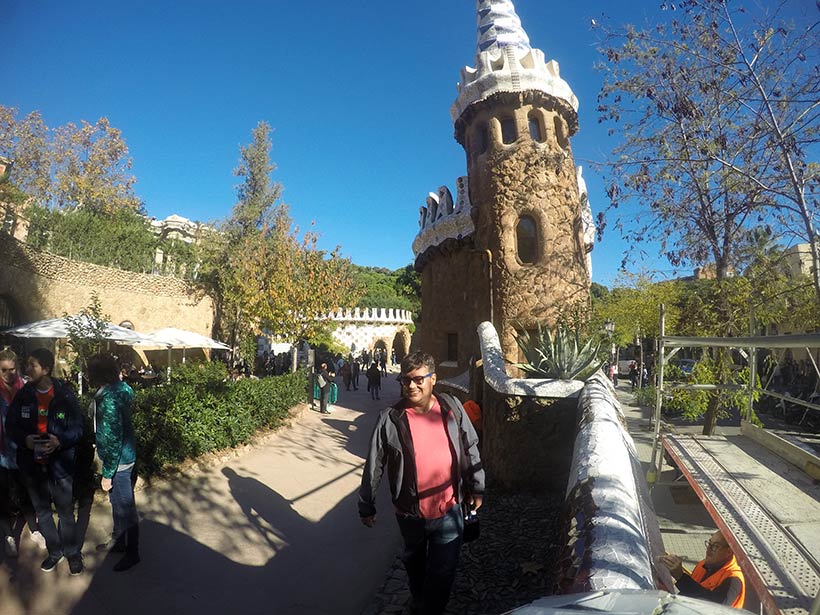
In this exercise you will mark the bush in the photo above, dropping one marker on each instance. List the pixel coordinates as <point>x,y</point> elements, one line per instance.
<point>201,411</point>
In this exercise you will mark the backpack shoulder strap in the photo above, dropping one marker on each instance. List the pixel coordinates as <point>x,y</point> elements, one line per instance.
<point>453,404</point>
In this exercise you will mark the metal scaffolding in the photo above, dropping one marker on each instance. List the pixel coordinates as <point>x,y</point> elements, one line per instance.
<point>750,345</point>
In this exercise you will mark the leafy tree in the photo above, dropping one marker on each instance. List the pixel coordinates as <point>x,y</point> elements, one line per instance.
<point>718,110</point>
<point>634,307</point>
<point>92,168</point>
<point>262,274</point>
<point>70,166</point>
<point>287,283</point>
<point>711,307</point>
<point>86,332</point>
<point>121,238</point>
<point>26,142</point>
<point>384,288</point>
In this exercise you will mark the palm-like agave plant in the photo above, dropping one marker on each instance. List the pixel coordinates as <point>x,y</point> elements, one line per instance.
<point>560,356</point>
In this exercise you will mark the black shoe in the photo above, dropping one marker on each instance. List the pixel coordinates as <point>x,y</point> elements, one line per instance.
<point>128,561</point>
<point>75,564</point>
<point>113,546</point>
<point>325,412</point>
<point>50,563</point>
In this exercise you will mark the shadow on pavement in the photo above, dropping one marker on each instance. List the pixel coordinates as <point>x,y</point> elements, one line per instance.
<point>268,558</point>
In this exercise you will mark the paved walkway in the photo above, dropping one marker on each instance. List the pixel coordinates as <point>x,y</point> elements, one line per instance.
<point>274,530</point>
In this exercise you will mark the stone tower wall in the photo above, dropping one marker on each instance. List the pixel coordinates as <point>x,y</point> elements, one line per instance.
<point>455,298</point>
<point>39,285</point>
<point>527,178</point>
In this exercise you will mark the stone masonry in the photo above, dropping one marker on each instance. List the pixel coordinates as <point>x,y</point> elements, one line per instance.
<point>37,285</point>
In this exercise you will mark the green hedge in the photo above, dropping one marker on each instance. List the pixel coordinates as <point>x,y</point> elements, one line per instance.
<point>201,411</point>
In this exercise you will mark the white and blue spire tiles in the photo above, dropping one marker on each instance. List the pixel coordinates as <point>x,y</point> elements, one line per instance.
<point>505,61</point>
<point>499,26</point>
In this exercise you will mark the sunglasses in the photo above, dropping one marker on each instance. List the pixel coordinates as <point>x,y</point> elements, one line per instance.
<point>714,546</point>
<point>417,380</point>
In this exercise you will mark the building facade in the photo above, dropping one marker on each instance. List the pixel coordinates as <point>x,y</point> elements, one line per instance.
<point>513,248</point>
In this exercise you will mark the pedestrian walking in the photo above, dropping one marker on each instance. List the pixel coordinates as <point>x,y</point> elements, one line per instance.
<point>431,435</point>
<point>323,378</point>
<point>355,370</point>
<point>117,450</point>
<point>374,380</point>
<point>46,424</point>
<point>346,373</point>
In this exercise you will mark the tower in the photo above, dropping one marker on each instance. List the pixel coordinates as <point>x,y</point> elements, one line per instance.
<point>512,249</point>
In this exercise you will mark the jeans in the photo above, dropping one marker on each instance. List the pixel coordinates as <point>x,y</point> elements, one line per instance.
<point>123,506</point>
<point>13,500</point>
<point>44,490</point>
<point>431,549</point>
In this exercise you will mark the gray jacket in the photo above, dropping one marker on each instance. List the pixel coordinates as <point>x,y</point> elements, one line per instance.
<point>391,444</point>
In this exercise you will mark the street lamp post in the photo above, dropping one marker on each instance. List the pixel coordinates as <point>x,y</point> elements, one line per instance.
<point>639,342</point>
<point>609,327</point>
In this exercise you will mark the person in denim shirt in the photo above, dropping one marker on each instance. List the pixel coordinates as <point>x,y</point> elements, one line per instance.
<point>45,422</point>
<point>117,450</point>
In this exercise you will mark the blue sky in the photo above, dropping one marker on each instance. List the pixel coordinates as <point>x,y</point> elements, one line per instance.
<point>358,95</point>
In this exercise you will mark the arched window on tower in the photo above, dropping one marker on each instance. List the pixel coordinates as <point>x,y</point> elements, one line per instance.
<point>508,132</point>
<point>480,138</point>
<point>526,236</point>
<point>561,132</point>
<point>536,127</point>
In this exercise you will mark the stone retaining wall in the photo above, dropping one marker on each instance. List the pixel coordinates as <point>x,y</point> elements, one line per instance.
<point>38,285</point>
<point>543,435</point>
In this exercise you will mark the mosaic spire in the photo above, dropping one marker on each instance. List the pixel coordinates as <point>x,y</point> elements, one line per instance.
<point>505,61</point>
<point>499,26</point>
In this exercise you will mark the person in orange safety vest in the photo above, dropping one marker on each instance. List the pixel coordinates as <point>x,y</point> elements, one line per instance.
<point>717,578</point>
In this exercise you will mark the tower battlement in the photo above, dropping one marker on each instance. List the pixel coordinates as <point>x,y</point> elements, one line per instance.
<point>441,219</point>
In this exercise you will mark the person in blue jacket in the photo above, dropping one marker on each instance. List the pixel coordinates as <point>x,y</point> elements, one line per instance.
<point>45,421</point>
<point>117,450</point>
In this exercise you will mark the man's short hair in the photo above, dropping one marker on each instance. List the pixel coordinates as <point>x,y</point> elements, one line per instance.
<point>416,360</point>
<point>7,354</point>
<point>103,368</point>
<point>44,357</point>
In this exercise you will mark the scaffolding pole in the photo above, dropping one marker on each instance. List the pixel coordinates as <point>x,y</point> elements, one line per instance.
<point>652,474</point>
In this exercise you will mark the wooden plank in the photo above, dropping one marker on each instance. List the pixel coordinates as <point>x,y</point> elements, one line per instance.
<point>783,490</point>
<point>794,453</point>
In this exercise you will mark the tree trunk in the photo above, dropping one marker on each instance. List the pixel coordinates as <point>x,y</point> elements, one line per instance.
<point>710,418</point>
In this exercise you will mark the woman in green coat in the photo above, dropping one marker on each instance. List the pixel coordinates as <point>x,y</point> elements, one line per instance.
<point>116,448</point>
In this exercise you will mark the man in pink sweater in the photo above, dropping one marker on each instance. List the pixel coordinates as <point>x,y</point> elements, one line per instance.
<point>430,450</point>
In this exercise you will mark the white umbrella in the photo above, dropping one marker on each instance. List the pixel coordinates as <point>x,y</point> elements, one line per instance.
<point>56,328</point>
<point>178,338</point>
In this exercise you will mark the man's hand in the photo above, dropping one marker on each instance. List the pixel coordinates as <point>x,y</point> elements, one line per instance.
<point>52,445</point>
<point>674,564</point>
<point>369,521</point>
<point>476,501</point>
<point>30,442</point>
<point>106,484</point>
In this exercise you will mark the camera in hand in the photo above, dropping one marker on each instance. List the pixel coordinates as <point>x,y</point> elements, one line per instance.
<point>472,529</point>
<point>40,444</point>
